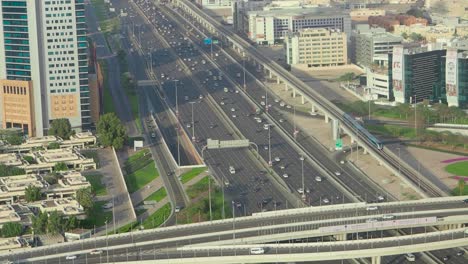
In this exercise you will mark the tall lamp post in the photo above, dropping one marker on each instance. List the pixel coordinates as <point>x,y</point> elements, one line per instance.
<point>302,176</point>
<point>193,124</point>
<point>269,146</point>
<point>178,127</point>
<point>243,67</point>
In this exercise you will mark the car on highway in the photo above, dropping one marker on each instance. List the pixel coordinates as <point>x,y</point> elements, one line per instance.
<point>266,126</point>
<point>189,125</point>
<point>282,104</point>
<point>262,103</point>
<point>226,90</point>
<point>153,135</point>
<point>178,208</point>
<point>277,159</point>
<point>222,103</point>
<point>282,167</point>
<point>234,116</point>
<point>410,257</point>
<point>445,258</point>
<point>380,198</point>
<point>200,96</point>
<point>281,120</point>
<point>285,175</point>
<point>233,109</point>
<point>70,257</point>
<point>232,170</point>
<point>388,217</point>
<point>238,204</point>
<point>265,147</point>
<point>300,190</point>
<point>342,162</point>
<point>95,252</point>
<point>318,178</point>
<point>325,200</point>
<point>372,208</point>
<point>337,173</point>
<point>372,220</point>
<point>460,253</point>
<point>257,251</point>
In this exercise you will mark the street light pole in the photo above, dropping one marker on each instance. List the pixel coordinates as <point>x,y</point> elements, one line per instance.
<point>176,98</point>
<point>233,223</point>
<point>302,175</point>
<point>243,67</point>
<point>294,122</point>
<point>193,124</point>
<point>269,146</point>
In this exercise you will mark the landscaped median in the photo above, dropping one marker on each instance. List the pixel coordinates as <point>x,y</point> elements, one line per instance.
<point>186,177</point>
<point>157,195</point>
<point>199,209</point>
<point>140,170</point>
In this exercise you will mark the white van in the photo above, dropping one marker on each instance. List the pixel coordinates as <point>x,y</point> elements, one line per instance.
<point>410,257</point>
<point>232,170</point>
<point>257,251</point>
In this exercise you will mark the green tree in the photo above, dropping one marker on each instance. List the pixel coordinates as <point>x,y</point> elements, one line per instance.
<point>111,132</point>
<point>6,170</point>
<point>415,12</point>
<point>39,223</point>
<point>12,229</point>
<point>347,77</point>
<point>53,145</point>
<point>54,223</point>
<point>84,197</point>
<point>30,159</point>
<point>71,223</point>
<point>60,166</point>
<point>404,35</point>
<point>14,139</point>
<point>60,127</point>
<point>52,178</point>
<point>416,37</point>
<point>32,193</point>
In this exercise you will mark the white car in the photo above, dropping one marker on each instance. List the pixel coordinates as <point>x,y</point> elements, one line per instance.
<point>342,162</point>
<point>232,170</point>
<point>222,103</point>
<point>372,208</point>
<point>380,198</point>
<point>257,251</point>
<point>234,116</point>
<point>258,120</point>
<point>285,175</point>
<point>288,106</point>
<point>371,220</point>
<point>276,100</point>
<point>388,217</point>
<point>337,173</point>
<point>318,178</point>
<point>282,104</point>
<point>281,120</point>
<point>262,103</point>
<point>71,257</point>
<point>266,126</point>
<point>300,190</point>
<point>277,159</point>
<point>233,110</point>
<point>325,200</point>
<point>95,252</point>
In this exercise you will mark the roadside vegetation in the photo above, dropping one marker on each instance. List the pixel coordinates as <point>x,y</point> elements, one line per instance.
<point>95,180</point>
<point>108,103</point>
<point>157,195</point>
<point>158,217</point>
<point>199,210</point>
<point>140,170</point>
<point>186,177</point>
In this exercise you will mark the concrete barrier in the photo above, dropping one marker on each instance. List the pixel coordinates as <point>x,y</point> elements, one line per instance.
<point>119,169</point>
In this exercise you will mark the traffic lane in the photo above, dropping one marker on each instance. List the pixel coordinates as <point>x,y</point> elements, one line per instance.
<point>319,198</point>
<point>259,93</point>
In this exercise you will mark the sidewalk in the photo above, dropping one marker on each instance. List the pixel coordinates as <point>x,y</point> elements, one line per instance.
<point>196,179</point>
<point>153,209</point>
<point>140,195</point>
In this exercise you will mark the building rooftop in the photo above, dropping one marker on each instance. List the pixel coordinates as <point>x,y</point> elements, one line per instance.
<point>306,12</point>
<point>73,179</point>
<point>10,159</point>
<point>67,206</point>
<point>20,182</point>
<point>8,214</point>
<point>42,140</point>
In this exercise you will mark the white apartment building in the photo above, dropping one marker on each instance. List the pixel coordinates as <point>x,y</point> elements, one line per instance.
<point>272,26</point>
<point>215,4</point>
<point>43,54</point>
<point>316,47</point>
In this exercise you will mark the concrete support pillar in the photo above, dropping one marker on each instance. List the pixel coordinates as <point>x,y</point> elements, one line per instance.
<point>364,151</point>
<point>352,140</point>
<point>327,118</point>
<point>286,87</point>
<point>303,99</point>
<point>270,74</point>
<point>294,93</point>
<point>340,237</point>
<point>335,129</point>
<point>278,81</point>
<point>375,260</point>
<point>313,108</point>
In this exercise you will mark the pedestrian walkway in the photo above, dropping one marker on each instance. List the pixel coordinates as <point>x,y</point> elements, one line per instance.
<point>153,209</point>
<point>140,195</point>
<point>196,179</point>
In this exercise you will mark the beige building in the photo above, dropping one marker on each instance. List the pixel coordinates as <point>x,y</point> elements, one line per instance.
<point>13,188</point>
<point>316,47</point>
<point>70,182</point>
<point>362,14</point>
<point>67,206</point>
<point>78,140</point>
<point>8,214</point>
<point>431,33</point>
<point>17,105</point>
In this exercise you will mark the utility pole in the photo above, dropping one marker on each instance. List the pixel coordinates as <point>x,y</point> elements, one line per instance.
<point>209,197</point>
<point>302,175</point>
<point>193,124</point>
<point>415,116</point>
<point>243,67</point>
<point>269,146</point>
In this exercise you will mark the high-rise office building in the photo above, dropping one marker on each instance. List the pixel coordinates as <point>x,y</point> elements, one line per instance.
<point>43,58</point>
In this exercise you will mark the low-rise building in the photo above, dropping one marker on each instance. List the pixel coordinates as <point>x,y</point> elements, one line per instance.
<point>430,33</point>
<point>378,82</point>
<point>77,234</point>
<point>12,188</point>
<point>270,27</point>
<point>66,206</point>
<point>12,243</point>
<point>316,47</point>
<point>47,159</point>
<point>363,14</point>
<point>372,45</point>
<point>78,140</point>
<point>68,184</point>
<point>8,214</point>
<point>389,22</point>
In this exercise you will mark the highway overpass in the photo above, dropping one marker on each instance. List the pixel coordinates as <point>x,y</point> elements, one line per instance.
<point>387,158</point>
